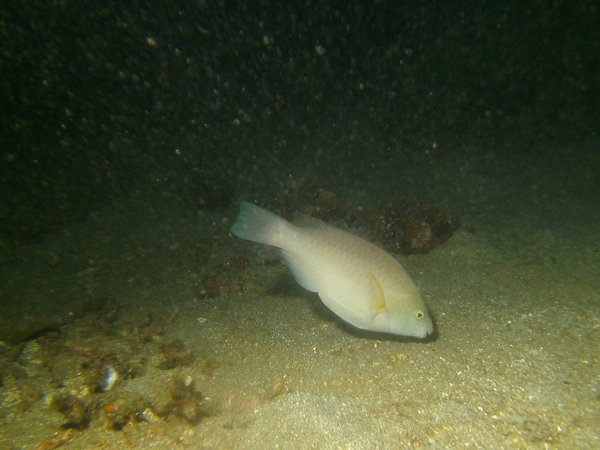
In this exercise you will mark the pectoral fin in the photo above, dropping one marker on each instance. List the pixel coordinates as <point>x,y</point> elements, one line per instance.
<point>379,304</point>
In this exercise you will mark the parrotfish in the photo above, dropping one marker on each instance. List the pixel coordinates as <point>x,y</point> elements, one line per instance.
<point>361,283</point>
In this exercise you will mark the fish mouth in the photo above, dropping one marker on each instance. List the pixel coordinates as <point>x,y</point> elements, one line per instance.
<point>426,333</point>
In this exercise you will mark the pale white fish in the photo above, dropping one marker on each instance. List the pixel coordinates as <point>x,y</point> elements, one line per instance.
<point>357,280</point>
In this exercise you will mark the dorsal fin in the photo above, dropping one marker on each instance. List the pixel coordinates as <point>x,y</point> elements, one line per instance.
<point>306,221</point>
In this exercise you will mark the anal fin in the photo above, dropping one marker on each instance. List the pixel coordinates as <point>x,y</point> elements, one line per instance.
<point>303,274</point>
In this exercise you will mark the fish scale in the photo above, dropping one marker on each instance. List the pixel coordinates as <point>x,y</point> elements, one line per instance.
<point>361,283</point>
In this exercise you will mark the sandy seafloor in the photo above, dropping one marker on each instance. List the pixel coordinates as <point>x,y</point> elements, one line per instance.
<point>515,293</point>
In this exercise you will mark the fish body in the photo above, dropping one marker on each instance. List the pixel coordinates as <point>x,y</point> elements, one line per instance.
<point>361,283</point>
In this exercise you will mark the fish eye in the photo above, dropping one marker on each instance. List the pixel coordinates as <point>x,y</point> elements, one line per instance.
<point>419,314</point>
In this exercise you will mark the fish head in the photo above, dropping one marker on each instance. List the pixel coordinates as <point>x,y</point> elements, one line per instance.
<point>411,319</point>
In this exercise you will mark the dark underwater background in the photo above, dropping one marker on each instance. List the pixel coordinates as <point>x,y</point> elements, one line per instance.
<point>463,137</point>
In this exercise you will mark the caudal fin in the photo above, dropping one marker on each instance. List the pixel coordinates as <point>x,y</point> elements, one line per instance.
<point>259,225</point>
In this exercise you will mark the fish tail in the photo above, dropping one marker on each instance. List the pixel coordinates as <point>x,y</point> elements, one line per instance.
<point>259,225</point>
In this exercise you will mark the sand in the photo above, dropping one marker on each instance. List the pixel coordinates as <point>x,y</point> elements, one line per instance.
<point>515,294</point>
